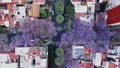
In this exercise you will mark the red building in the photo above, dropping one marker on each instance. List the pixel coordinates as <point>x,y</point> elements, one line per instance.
<point>114,16</point>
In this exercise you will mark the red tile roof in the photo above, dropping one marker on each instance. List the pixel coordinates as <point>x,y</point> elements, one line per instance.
<point>31,52</point>
<point>34,51</point>
<point>13,56</point>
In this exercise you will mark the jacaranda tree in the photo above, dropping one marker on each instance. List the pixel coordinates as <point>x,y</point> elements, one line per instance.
<point>33,32</point>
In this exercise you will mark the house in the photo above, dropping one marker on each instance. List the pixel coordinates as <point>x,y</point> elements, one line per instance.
<point>111,62</point>
<point>7,12</point>
<point>84,10</point>
<point>38,1</point>
<point>81,51</point>
<point>20,13</point>
<point>32,56</point>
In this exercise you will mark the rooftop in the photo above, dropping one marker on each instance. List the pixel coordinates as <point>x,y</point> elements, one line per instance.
<point>85,65</point>
<point>39,1</point>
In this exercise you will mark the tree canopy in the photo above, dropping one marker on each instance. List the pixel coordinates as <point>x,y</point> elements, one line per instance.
<point>59,7</point>
<point>59,19</point>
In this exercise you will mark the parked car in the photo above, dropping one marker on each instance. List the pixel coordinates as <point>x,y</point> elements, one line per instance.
<point>52,12</point>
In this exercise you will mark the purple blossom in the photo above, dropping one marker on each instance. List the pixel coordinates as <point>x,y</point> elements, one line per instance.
<point>39,28</point>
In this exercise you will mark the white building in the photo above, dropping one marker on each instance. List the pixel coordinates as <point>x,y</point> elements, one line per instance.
<point>88,9</point>
<point>20,12</point>
<point>98,59</point>
<point>83,8</point>
<point>28,54</point>
<point>6,58</point>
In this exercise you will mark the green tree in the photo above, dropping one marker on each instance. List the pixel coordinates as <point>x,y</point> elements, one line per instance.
<point>70,12</point>
<point>44,13</point>
<point>58,61</point>
<point>59,52</point>
<point>59,7</point>
<point>59,19</point>
<point>51,52</point>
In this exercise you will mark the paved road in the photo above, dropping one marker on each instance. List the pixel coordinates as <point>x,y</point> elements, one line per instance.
<point>53,9</point>
<point>57,38</point>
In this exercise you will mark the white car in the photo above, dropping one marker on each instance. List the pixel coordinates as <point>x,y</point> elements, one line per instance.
<point>52,12</point>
